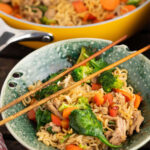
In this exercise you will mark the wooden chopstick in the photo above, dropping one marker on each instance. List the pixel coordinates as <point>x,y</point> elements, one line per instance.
<point>61,75</point>
<point>74,85</point>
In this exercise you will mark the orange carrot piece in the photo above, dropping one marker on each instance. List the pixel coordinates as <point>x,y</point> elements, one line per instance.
<point>96,86</point>
<point>73,147</point>
<point>137,101</point>
<point>88,16</point>
<point>79,6</point>
<point>109,16</point>
<point>65,123</point>
<point>113,111</point>
<point>17,16</point>
<point>110,4</point>
<point>108,97</point>
<point>98,99</point>
<point>6,8</point>
<point>56,120</point>
<point>127,8</point>
<point>31,115</point>
<point>33,101</point>
<point>67,112</point>
<point>127,95</point>
<point>97,21</point>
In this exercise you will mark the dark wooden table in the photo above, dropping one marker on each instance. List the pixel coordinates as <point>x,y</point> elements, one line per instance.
<point>12,54</point>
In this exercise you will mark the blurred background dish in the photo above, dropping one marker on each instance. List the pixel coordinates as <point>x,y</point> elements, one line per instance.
<point>128,23</point>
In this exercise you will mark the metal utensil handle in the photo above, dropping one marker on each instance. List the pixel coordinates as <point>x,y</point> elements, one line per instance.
<point>10,35</point>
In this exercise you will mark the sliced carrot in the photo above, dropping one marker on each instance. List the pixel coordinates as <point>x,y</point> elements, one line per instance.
<point>31,115</point>
<point>109,16</point>
<point>33,101</point>
<point>88,16</point>
<point>67,112</point>
<point>113,111</point>
<point>98,99</point>
<point>73,147</point>
<point>79,6</point>
<point>127,8</point>
<point>17,16</point>
<point>137,101</point>
<point>6,8</point>
<point>56,120</point>
<point>65,123</point>
<point>127,95</point>
<point>97,21</point>
<point>96,86</point>
<point>108,97</point>
<point>110,4</point>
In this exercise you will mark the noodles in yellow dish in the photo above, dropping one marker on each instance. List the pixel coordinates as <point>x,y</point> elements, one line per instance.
<point>96,115</point>
<point>68,12</point>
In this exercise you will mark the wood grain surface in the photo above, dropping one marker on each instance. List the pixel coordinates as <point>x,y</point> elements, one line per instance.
<point>15,52</point>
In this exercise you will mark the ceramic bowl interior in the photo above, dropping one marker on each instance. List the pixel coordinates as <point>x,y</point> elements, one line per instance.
<point>51,58</point>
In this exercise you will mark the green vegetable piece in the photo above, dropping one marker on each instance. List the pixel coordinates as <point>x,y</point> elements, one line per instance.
<point>63,106</point>
<point>47,21</point>
<point>82,57</point>
<point>83,100</point>
<point>42,117</point>
<point>109,81</point>
<point>49,129</point>
<point>98,64</point>
<point>46,116</point>
<point>83,103</point>
<point>43,8</point>
<point>81,72</point>
<point>133,2</point>
<point>55,74</point>
<point>65,138</point>
<point>85,122</point>
<point>51,89</point>
<point>111,122</point>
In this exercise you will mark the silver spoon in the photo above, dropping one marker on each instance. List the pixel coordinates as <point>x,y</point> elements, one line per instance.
<point>10,35</point>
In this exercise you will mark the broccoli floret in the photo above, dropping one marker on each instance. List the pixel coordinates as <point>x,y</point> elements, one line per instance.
<point>95,64</point>
<point>81,72</point>
<point>83,100</point>
<point>64,106</point>
<point>43,8</point>
<point>51,89</point>
<point>82,57</point>
<point>109,81</point>
<point>55,74</point>
<point>98,64</point>
<point>45,20</point>
<point>133,2</point>
<point>83,103</point>
<point>117,84</point>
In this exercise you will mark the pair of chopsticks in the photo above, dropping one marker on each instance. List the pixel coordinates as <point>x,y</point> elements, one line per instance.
<point>70,87</point>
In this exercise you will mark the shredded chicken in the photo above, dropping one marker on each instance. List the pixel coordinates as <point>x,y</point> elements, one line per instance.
<point>54,127</point>
<point>119,135</point>
<point>137,121</point>
<point>54,110</point>
<point>50,13</point>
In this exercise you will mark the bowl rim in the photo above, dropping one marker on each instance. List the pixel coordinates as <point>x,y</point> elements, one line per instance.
<point>80,26</point>
<point>32,53</point>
